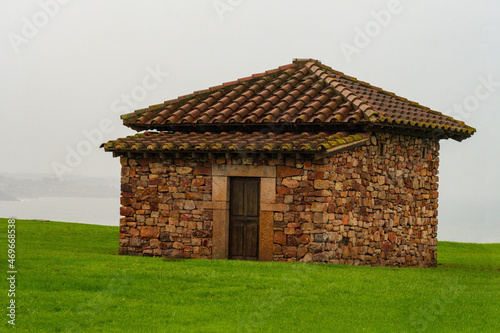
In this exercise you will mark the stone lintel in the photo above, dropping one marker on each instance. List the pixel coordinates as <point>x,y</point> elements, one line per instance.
<point>244,171</point>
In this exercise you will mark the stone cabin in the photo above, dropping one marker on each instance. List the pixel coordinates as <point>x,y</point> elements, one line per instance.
<point>300,163</point>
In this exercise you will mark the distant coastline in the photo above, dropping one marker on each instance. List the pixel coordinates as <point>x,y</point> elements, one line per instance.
<point>7,197</point>
<point>16,186</point>
<point>103,211</point>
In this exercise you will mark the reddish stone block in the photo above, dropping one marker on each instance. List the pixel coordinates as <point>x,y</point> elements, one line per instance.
<point>172,253</point>
<point>202,171</point>
<point>150,190</point>
<point>154,243</point>
<point>320,257</point>
<point>317,193</point>
<point>178,245</point>
<point>126,211</point>
<point>144,161</point>
<point>202,233</point>
<point>316,175</point>
<point>320,218</point>
<point>279,237</point>
<point>163,188</point>
<point>286,171</point>
<point>185,182</point>
<point>316,247</point>
<point>126,188</point>
<point>158,170</point>
<point>135,242</point>
<point>290,183</point>
<point>319,207</point>
<point>194,196</point>
<point>292,240</point>
<point>386,246</point>
<point>307,226</point>
<point>156,181</point>
<point>125,201</point>
<point>308,258</point>
<point>289,251</point>
<point>301,251</point>
<point>150,232</point>
<point>125,171</point>
<point>305,217</point>
<point>198,182</point>
<point>304,190</point>
<point>284,190</point>
<point>345,252</point>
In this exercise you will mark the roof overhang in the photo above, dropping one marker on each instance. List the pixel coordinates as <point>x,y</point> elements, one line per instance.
<point>315,145</point>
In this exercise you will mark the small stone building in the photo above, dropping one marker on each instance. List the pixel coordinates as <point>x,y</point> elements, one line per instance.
<point>300,163</point>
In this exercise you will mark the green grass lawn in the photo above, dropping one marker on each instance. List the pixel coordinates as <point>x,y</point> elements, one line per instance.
<point>70,278</point>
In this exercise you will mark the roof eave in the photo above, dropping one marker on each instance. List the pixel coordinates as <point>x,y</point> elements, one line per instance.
<point>263,127</point>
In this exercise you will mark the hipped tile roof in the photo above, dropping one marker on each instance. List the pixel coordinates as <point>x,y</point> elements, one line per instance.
<point>303,93</point>
<point>235,142</point>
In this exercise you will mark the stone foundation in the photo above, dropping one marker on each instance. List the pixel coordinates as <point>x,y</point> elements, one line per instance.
<point>372,205</point>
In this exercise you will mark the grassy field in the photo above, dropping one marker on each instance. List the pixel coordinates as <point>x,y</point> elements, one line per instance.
<point>70,278</point>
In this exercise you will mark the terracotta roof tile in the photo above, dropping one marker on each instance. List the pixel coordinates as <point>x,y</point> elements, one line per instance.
<point>234,142</point>
<point>303,92</point>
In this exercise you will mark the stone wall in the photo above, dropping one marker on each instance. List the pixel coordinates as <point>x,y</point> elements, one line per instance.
<point>375,205</point>
<point>159,204</point>
<point>372,205</point>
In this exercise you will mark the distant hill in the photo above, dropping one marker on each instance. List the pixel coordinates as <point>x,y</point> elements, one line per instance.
<point>19,186</point>
<point>7,197</point>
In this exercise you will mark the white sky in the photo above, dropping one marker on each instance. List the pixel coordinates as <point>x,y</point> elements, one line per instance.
<point>80,60</point>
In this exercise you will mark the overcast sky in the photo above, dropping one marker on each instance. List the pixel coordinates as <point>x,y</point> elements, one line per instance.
<point>72,67</point>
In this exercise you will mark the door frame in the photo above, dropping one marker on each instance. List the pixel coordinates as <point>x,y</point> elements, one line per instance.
<point>220,203</point>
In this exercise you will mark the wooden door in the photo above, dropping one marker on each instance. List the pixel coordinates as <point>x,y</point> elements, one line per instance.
<point>244,218</point>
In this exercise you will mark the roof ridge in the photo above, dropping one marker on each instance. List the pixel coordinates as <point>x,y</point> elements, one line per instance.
<point>226,85</point>
<point>196,94</point>
<point>316,67</point>
<point>386,92</point>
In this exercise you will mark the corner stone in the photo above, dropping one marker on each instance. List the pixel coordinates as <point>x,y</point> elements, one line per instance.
<point>126,211</point>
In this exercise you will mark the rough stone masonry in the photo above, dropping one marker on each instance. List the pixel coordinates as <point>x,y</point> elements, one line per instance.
<point>371,205</point>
